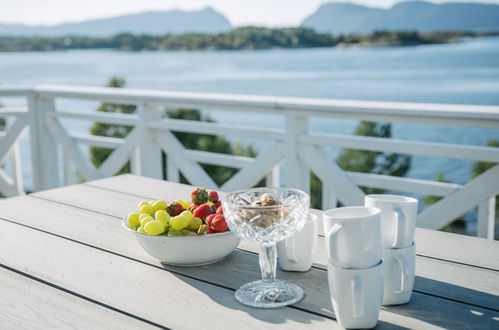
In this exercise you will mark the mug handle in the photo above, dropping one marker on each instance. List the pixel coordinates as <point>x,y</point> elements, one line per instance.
<point>400,225</point>
<point>405,275</point>
<point>333,243</point>
<point>357,297</point>
<point>291,249</point>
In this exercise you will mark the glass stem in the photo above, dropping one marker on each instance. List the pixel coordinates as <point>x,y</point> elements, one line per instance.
<point>268,262</point>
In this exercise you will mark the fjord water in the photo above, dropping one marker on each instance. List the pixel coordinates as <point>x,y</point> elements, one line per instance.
<point>466,73</point>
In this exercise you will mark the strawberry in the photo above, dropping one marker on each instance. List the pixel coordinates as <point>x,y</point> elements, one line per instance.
<point>217,204</point>
<point>174,209</point>
<point>220,210</point>
<point>202,211</point>
<point>213,196</point>
<point>211,230</point>
<point>219,224</point>
<point>199,196</point>
<point>210,218</point>
<point>203,229</point>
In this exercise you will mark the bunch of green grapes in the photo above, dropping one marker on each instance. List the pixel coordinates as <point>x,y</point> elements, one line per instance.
<point>153,219</point>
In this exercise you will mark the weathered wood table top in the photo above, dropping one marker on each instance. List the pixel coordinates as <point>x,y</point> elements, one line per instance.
<point>66,262</point>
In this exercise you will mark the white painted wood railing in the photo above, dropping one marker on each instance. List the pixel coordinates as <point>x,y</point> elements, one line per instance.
<point>295,146</point>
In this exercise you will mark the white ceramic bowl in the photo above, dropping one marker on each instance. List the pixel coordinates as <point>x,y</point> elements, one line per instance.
<point>187,250</point>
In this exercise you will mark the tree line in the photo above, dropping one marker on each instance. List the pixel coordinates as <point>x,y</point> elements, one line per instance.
<point>237,39</point>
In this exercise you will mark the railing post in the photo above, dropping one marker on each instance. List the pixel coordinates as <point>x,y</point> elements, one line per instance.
<point>329,198</point>
<point>297,173</point>
<point>486,218</point>
<point>17,172</point>
<point>149,153</point>
<point>172,173</point>
<point>44,156</point>
<point>273,179</point>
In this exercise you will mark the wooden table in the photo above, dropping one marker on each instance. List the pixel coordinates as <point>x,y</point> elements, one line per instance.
<point>66,262</point>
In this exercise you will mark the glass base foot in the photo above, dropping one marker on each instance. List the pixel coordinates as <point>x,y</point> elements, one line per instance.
<point>269,294</point>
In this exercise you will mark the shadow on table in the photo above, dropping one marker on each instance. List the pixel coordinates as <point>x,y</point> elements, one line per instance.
<point>225,297</point>
<point>240,268</point>
<point>428,305</point>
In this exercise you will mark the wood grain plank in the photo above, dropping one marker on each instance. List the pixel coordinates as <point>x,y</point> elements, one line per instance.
<point>105,232</point>
<point>431,243</point>
<point>28,304</point>
<point>151,293</point>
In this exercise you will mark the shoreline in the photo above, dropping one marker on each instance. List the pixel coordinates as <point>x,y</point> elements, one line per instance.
<point>249,38</point>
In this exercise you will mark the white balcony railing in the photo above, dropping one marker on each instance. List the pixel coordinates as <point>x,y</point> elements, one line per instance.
<point>299,148</point>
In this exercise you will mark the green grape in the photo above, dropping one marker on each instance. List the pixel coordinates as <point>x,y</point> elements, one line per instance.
<point>154,228</point>
<point>179,222</point>
<point>142,204</point>
<point>163,217</point>
<point>187,214</point>
<point>195,223</point>
<point>172,232</point>
<point>186,232</point>
<point>133,220</point>
<point>141,230</point>
<point>147,209</point>
<point>146,220</point>
<point>159,205</point>
<point>143,215</point>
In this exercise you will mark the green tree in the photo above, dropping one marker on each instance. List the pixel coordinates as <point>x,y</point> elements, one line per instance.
<point>366,161</point>
<point>480,167</point>
<point>212,143</point>
<point>97,154</point>
<point>193,141</point>
<point>456,226</point>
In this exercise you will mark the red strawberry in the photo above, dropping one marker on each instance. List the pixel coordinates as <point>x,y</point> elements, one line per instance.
<point>211,230</point>
<point>219,224</point>
<point>213,196</point>
<point>220,210</point>
<point>174,209</point>
<point>210,218</point>
<point>217,204</point>
<point>199,196</point>
<point>202,211</point>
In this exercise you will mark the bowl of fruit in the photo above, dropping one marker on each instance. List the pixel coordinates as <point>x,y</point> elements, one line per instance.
<point>183,233</point>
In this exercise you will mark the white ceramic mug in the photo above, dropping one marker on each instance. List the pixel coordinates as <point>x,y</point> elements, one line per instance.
<point>399,270</point>
<point>356,295</point>
<point>296,252</point>
<point>398,219</point>
<point>353,236</point>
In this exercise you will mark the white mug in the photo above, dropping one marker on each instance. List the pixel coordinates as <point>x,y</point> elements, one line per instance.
<point>356,295</point>
<point>353,236</point>
<point>296,252</point>
<point>398,219</point>
<point>399,270</point>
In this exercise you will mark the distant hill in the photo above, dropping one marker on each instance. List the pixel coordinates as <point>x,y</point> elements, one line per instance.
<point>152,23</point>
<point>412,15</point>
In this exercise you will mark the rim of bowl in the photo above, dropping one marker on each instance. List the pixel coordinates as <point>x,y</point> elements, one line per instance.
<point>123,224</point>
<point>302,197</point>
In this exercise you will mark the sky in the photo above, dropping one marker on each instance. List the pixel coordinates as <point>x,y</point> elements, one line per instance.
<point>239,12</point>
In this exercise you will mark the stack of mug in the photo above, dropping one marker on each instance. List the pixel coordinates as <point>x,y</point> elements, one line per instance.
<point>372,255</point>
<point>355,267</point>
<point>398,224</point>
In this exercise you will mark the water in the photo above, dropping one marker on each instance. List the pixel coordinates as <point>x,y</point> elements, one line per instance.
<point>465,73</point>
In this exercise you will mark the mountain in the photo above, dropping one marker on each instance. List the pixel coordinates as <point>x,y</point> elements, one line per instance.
<point>173,21</point>
<point>411,15</point>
